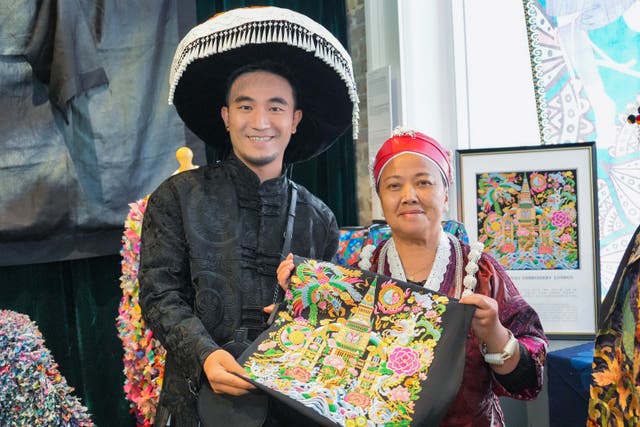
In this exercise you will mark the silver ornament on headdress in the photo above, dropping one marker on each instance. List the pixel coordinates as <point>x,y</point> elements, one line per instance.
<point>402,131</point>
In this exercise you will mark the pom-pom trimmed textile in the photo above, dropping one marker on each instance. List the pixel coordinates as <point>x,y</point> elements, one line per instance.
<point>143,356</point>
<point>32,390</point>
<point>354,348</point>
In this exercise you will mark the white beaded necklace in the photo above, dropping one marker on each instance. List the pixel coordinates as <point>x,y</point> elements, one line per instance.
<point>389,254</point>
<point>439,269</point>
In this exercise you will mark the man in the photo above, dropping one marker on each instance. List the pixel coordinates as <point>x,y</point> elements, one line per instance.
<point>213,237</point>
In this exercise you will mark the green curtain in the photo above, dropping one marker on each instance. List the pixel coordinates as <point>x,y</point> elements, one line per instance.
<point>74,304</point>
<point>332,175</point>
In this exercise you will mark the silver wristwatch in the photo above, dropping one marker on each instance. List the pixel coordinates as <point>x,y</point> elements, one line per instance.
<point>499,358</point>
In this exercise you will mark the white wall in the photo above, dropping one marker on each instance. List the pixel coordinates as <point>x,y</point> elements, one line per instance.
<point>427,74</point>
<point>461,71</point>
<point>464,69</point>
<point>496,72</point>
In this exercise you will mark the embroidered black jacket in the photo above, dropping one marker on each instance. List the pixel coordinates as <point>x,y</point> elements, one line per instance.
<point>211,243</point>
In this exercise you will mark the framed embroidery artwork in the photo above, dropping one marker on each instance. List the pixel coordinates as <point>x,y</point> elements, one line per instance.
<point>535,210</point>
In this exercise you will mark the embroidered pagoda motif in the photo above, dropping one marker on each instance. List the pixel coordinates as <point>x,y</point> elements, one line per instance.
<point>354,347</point>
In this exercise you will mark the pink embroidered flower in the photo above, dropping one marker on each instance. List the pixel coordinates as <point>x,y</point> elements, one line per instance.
<point>264,346</point>
<point>401,394</point>
<point>299,374</point>
<point>404,361</point>
<point>560,219</point>
<point>358,399</point>
<point>565,238</point>
<point>335,361</point>
<point>545,249</point>
<point>507,248</point>
<point>431,314</point>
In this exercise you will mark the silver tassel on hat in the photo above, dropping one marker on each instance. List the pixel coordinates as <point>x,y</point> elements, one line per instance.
<point>259,26</point>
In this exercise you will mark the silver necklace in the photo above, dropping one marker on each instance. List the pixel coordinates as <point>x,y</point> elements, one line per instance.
<point>389,254</point>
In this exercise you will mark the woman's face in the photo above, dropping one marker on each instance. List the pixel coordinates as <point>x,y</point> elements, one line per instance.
<point>413,196</point>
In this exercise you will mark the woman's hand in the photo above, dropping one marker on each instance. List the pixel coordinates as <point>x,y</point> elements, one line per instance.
<point>485,323</point>
<point>488,329</point>
<point>284,271</point>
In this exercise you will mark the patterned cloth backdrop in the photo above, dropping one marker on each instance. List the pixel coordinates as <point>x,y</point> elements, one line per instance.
<point>353,239</point>
<point>587,82</point>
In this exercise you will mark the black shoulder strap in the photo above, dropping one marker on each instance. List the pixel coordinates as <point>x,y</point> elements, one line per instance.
<point>286,246</point>
<point>288,233</point>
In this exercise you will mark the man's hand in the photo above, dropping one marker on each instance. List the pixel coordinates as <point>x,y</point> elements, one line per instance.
<point>218,368</point>
<point>284,271</point>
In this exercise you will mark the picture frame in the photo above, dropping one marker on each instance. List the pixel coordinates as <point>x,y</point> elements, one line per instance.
<point>543,229</point>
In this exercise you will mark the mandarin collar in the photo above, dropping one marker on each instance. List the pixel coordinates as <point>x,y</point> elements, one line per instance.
<point>248,180</point>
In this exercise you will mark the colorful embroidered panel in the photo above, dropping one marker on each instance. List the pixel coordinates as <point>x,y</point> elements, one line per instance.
<point>354,348</point>
<point>353,239</point>
<point>615,386</point>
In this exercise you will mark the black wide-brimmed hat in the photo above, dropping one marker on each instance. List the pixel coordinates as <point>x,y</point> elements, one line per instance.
<point>319,64</point>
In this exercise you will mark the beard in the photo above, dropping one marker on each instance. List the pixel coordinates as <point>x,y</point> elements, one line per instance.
<point>263,160</point>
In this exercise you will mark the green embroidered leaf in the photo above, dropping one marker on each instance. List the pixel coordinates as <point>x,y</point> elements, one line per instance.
<point>628,328</point>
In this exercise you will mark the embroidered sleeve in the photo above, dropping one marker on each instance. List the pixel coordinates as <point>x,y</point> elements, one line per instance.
<point>521,377</point>
<point>165,295</point>
<point>519,317</point>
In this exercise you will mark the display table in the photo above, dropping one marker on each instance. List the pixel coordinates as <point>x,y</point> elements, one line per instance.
<point>569,378</point>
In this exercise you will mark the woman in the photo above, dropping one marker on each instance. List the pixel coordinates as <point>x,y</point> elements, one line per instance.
<point>506,348</point>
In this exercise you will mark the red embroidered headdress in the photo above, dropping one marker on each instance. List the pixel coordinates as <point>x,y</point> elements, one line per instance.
<point>408,141</point>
